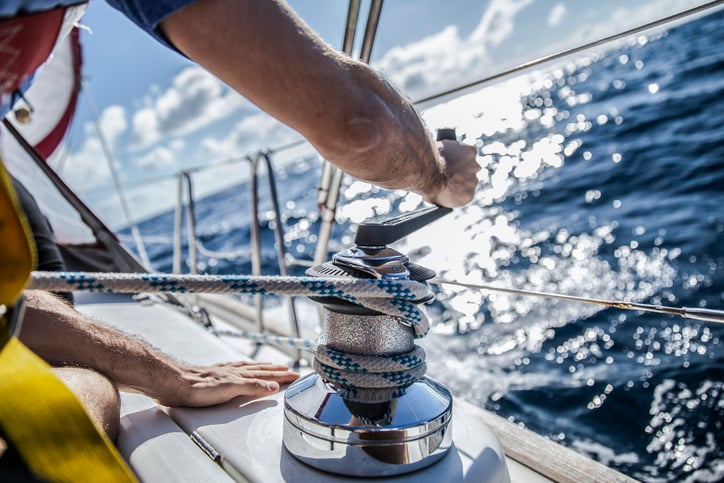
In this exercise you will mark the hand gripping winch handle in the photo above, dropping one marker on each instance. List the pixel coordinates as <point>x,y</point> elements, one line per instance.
<point>382,234</point>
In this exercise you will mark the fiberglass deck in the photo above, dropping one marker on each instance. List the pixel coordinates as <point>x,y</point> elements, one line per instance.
<point>242,440</point>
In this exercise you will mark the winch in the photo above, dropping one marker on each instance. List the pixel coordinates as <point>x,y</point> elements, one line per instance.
<point>346,427</point>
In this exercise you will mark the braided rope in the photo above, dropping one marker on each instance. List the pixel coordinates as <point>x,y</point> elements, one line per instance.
<point>365,364</point>
<point>391,297</point>
<point>386,380</point>
<point>366,378</point>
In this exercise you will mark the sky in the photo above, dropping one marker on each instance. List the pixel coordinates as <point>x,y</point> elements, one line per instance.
<point>159,113</point>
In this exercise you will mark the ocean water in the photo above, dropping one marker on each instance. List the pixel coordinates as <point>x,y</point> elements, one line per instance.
<point>602,176</point>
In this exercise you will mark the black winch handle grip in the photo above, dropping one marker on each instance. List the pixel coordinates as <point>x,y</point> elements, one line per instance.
<point>388,231</point>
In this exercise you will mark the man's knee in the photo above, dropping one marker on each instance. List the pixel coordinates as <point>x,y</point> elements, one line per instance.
<point>97,393</point>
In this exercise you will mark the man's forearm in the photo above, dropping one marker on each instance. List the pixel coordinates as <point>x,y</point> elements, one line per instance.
<point>62,336</point>
<point>349,113</point>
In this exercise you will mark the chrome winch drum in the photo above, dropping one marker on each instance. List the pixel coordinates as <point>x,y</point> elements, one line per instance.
<point>364,431</point>
<point>405,433</point>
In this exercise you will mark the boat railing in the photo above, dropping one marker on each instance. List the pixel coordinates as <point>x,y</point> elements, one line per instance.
<point>185,203</point>
<point>185,187</point>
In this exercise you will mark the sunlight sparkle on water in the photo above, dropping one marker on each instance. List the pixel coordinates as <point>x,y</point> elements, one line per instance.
<point>359,211</point>
<point>410,202</point>
<point>357,188</point>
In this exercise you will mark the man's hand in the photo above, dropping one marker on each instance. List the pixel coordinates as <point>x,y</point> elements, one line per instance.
<point>460,175</point>
<point>199,386</point>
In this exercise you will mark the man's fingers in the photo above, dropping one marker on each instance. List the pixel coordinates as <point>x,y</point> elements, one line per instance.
<point>251,365</point>
<point>279,376</point>
<point>461,170</point>
<point>208,385</point>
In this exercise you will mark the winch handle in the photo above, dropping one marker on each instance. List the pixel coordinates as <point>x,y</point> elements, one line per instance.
<point>381,234</point>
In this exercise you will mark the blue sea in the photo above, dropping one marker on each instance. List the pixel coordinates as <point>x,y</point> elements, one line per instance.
<point>602,176</point>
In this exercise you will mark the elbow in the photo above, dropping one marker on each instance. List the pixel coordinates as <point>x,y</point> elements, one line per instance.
<point>367,132</point>
<point>364,124</point>
<point>358,133</point>
<point>363,146</point>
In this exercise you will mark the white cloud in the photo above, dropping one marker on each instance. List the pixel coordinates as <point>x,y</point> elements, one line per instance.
<point>159,156</point>
<point>195,99</point>
<point>88,167</point>
<point>446,60</point>
<point>162,156</point>
<point>429,64</point>
<point>250,133</point>
<point>497,22</point>
<point>143,202</point>
<point>112,123</point>
<point>177,144</point>
<point>415,66</point>
<point>556,14</point>
<point>145,127</point>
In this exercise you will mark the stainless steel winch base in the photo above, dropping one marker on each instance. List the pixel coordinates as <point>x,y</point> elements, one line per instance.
<point>357,439</point>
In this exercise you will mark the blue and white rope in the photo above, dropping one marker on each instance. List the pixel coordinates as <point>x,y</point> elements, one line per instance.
<point>369,378</point>
<point>372,380</point>
<point>369,364</point>
<point>392,297</point>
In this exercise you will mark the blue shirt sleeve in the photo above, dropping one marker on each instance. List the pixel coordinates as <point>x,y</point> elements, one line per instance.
<point>149,14</point>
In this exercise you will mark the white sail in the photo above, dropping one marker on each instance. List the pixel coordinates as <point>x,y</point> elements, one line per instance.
<point>44,114</point>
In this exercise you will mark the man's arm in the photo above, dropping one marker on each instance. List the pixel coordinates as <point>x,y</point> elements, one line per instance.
<point>61,335</point>
<point>350,114</point>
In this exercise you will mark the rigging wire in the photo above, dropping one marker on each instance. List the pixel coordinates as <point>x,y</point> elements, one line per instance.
<point>707,315</point>
<point>114,175</point>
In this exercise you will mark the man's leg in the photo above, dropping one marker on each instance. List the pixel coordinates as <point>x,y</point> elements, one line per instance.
<point>98,395</point>
<point>101,400</point>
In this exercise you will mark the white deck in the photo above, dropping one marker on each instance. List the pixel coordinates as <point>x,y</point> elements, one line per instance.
<point>242,439</point>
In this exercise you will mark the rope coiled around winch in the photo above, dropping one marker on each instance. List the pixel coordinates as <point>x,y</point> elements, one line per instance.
<point>365,378</point>
<point>392,297</point>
